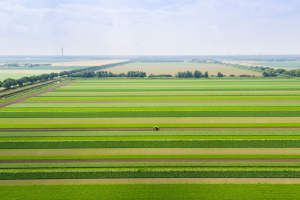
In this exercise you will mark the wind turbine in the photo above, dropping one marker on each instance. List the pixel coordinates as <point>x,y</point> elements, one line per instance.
<point>62,56</point>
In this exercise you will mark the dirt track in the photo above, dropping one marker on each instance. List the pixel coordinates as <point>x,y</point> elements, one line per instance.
<point>148,160</point>
<point>153,181</point>
<point>150,129</point>
<point>33,95</point>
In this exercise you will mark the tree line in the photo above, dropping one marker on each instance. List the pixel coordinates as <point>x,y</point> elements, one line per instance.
<point>189,74</point>
<point>10,82</point>
<point>103,74</point>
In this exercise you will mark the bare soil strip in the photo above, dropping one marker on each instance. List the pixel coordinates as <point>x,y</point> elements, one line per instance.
<point>33,95</point>
<point>153,181</point>
<point>149,129</point>
<point>148,160</point>
<point>150,151</point>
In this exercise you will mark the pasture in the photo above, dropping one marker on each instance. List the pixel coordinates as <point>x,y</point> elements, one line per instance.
<point>101,129</point>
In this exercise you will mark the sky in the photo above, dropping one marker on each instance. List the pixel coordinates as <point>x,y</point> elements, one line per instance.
<point>149,27</point>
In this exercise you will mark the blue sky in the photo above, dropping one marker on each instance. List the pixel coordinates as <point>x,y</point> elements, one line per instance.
<point>149,27</point>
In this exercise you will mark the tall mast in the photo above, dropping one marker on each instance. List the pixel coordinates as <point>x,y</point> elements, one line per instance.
<point>62,57</point>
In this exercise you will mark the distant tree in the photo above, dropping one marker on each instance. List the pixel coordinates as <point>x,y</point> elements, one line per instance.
<point>206,74</point>
<point>20,82</point>
<point>197,74</point>
<point>220,74</point>
<point>297,73</point>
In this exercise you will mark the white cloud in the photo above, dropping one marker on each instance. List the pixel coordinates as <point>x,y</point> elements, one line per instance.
<point>201,27</point>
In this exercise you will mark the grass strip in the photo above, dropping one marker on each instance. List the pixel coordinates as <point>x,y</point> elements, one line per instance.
<point>158,109</point>
<point>142,125</point>
<point>41,99</point>
<point>202,156</point>
<point>146,165</point>
<point>152,144</point>
<point>185,172</point>
<point>29,105</point>
<point>152,191</point>
<point>126,114</point>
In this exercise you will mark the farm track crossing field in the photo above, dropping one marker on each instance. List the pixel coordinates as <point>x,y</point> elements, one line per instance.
<point>121,104</point>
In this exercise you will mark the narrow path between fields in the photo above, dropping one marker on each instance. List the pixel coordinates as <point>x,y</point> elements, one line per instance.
<point>153,181</point>
<point>35,94</point>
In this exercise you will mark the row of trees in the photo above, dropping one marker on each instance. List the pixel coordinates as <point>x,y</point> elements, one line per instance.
<point>83,72</point>
<point>188,74</point>
<point>9,82</point>
<point>102,74</point>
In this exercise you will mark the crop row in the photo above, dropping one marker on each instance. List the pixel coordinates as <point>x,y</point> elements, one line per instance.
<point>126,114</point>
<point>283,133</point>
<point>148,165</point>
<point>150,173</point>
<point>142,88</point>
<point>147,138</point>
<point>158,109</point>
<point>30,105</point>
<point>183,156</point>
<point>150,126</point>
<point>150,98</point>
<point>151,191</point>
<point>152,144</point>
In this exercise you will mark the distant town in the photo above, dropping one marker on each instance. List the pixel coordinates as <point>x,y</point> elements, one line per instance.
<point>7,65</point>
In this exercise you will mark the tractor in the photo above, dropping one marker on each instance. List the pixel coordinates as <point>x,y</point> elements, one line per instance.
<point>156,128</point>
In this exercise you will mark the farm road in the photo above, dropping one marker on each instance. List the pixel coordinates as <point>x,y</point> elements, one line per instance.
<point>33,95</point>
<point>153,181</point>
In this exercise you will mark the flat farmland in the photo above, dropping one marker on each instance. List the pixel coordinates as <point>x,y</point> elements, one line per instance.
<point>88,63</point>
<point>173,68</point>
<point>101,129</point>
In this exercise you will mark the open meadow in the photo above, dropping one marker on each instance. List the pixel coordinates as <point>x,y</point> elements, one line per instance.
<point>98,132</point>
<point>173,68</point>
<point>56,66</point>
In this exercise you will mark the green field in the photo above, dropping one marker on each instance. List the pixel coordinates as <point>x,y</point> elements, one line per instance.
<point>102,129</point>
<point>153,191</point>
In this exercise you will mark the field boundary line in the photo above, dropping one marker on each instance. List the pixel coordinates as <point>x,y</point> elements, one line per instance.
<point>33,95</point>
<point>153,181</point>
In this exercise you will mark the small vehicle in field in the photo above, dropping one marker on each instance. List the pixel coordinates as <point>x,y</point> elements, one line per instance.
<point>156,128</point>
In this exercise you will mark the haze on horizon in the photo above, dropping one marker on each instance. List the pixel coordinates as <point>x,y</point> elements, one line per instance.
<point>149,27</point>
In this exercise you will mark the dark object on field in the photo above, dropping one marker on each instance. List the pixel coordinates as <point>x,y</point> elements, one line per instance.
<point>156,128</point>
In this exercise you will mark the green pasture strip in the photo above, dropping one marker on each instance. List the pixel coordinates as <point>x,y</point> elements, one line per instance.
<point>146,105</point>
<point>152,191</point>
<point>87,173</point>
<point>166,93</point>
<point>142,125</point>
<point>202,156</point>
<point>41,99</point>
<point>159,109</point>
<point>217,143</point>
<point>145,165</point>
<point>151,138</point>
<point>175,88</point>
<point>120,134</point>
<point>126,114</point>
